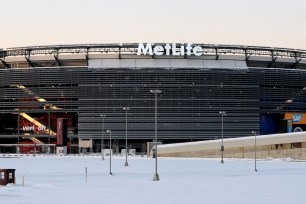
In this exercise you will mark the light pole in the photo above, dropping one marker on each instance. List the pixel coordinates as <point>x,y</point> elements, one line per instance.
<point>254,133</point>
<point>110,151</point>
<point>70,143</point>
<point>156,176</point>
<point>102,141</point>
<point>222,146</point>
<point>126,149</point>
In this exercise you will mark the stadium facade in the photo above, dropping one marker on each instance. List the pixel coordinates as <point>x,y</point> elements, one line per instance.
<point>260,89</point>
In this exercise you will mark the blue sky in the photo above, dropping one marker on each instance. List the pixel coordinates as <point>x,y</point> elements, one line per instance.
<point>276,23</point>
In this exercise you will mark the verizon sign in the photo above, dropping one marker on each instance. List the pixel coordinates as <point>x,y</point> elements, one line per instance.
<point>33,128</point>
<point>169,49</point>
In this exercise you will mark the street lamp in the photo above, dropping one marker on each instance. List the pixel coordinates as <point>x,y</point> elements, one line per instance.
<point>254,133</point>
<point>102,141</point>
<point>156,176</point>
<point>110,151</point>
<point>126,149</point>
<point>222,146</point>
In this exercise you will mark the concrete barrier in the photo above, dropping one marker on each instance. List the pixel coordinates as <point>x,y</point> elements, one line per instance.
<point>286,145</point>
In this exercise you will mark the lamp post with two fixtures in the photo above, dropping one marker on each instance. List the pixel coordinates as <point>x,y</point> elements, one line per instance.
<point>110,151</point>
<point>126,148</point>
<point>102,141</point>
<point>222,146</point>
<point>156,91</point>
<point>255,149</point>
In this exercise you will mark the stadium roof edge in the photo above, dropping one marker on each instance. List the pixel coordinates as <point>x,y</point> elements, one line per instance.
<point>81,54</point>
<point>133,45</point>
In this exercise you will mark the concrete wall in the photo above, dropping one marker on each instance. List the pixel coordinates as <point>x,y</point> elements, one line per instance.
<point>291,145</point>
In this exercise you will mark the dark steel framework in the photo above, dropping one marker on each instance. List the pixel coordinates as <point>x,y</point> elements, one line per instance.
<point>215,51</point>
<point>188,106</point>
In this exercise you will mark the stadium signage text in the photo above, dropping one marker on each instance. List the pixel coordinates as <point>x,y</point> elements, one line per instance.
<point>33,128</point>
<point>297,117</point>
<point>169,49</point>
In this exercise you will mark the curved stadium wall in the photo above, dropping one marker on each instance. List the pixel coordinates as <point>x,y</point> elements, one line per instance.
<point>255,86</point>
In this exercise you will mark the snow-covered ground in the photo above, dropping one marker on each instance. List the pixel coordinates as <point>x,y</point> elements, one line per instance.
<point>51,179</point>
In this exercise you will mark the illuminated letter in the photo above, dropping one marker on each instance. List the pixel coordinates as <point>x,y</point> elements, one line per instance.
<point>174,53</point>
<point>142,49</point>
<point>189,48</point>
<point>168,48</point>
<point>182,49</point>
<point>158,50</point>
<point>197,51</point>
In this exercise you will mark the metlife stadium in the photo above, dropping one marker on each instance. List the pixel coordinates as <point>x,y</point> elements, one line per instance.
<point>260,89</point>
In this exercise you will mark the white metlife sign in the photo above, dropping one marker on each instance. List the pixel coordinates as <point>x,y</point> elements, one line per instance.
<point>169,49</point>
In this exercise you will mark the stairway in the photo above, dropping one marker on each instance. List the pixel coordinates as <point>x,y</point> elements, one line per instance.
<point>35,122</point>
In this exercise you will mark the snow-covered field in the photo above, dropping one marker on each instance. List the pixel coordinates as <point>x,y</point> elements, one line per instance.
<point>51,179</point>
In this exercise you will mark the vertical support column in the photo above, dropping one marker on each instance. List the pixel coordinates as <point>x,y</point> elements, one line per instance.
<point>49,121</point>
<point>18,124</point>
<point>18,130</point>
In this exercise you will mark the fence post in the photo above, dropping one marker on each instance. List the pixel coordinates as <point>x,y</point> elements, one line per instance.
<point>85,174</point>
